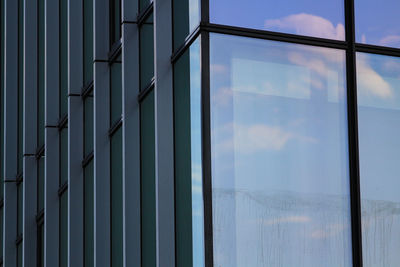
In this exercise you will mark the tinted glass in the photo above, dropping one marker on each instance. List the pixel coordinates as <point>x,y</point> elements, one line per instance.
<point>63,156</point>
<point>89,124</point>
<point>63,57</point>
<point>188,162</point>
<point>148,189</point>
<point>146,52</point>
<point>378,90</point>
<point>40,102</point>
<point>115,27</point>
<point>20,83</point>
<point>143,4</point>
<point>88,41</point>
<point>378,22</point>
<point>116,199</point>
<point>63,248</point>
<point>89,217</point>
<point>323,19</point>
<point>116,91</point>
<point>279,154</point>
<point>20,204</point>
<point>40,179</point>
<point>186,18</point>
<point>2,20</point>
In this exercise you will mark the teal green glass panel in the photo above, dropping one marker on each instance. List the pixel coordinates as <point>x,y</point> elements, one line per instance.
<point>148,203</point>
<point>89,124</point>
<point>116,199</point>
<point>40,184</point>
<point>89,217</point>
<point>116,91</point>
<point>19,255</point>
<point>40,102</point>
<point>63,156</point>
<point>20,204</point>
<point>188,162</point>
<point>87,41</point>
<point>146,52</point>
<point>115,26</point>
<point>63,245</point>
<point>20,82</point>
<point>186,17</point>
<point>63,57</point>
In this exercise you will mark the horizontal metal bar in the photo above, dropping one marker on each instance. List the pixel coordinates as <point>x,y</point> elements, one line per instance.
<point>141,18</point>
<point>115,127</point>
<point>274,36</point>
<point>146,90</point>
<point>375,49</point>
<point>129,22</point>
<point>87,159</point>
<point>74,95</point>
<point>62,188</point>
<point>188,41</point>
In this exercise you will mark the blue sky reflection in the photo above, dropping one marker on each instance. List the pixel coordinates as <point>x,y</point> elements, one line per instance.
<point>279,154</point>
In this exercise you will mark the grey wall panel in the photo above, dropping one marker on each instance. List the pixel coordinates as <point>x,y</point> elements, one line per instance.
<point>75,135</point>
<point>131,134</point>
<point>10,133</point>
<point>51,205</point>
<point>165,214</point>
<point>30,135</point>
<point>101,29</point>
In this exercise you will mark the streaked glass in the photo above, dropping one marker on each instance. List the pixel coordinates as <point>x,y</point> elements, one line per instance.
<point>378,22</point>
<point>323,19</point>
<point>279,148</point>
<point>378,93</point>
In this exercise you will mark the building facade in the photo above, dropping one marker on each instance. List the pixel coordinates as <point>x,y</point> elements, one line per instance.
<point>199,133</point>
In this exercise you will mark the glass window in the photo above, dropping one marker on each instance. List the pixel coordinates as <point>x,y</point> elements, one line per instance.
<point>146,52</point>
<point>20,204</point>
<point>116,90</point>
<point>2,22</point>
<point>186,18</point>
<point>143,4</point>
<point>116,199</point>
<point>63,249</point>
<point>89,124</point>
<point>89,215</point>
<point>323,19</point>
<point>378,84</point>
<point>63,58</point>
<point>377,22</point>
<point>188,159</point>
<point>279,148</point>
<point>63,156</point>
<point>40,101</point>
<point>40,243</point>
<point>115,27</point>
<point>148,194</point>
<point>40,185</point>
<point>20,84</point>
<point>87,41</point>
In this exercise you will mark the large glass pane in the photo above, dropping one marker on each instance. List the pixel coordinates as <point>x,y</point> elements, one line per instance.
<point>188,162</point>
<point>280,178</point>
<point>323,19</point>
<point>378,22</point>
<point>116,199</point>
<point>186,18</point>
<point>148,187</point>
<point>378,84</point>
<point>116,91</point>
<point>89,217</point>
<point>146,52</point>
<point>88,41</point>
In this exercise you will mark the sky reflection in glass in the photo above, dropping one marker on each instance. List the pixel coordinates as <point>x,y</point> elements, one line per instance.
<point>323,19</point>
<point>279,154</point>
<point>378,90</point>
<point>378,22</point>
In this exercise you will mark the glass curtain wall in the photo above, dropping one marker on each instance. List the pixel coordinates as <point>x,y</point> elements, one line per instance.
<point>147,134</point>
<point>88,133</point>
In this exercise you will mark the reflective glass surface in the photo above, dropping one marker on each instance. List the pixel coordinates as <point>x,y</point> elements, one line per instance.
<point>323,19</point>
<point>116,90</point>
<point>146,52</point>
<point>186,18</point>
<point>378,22</point>
<point>378,90</point>
<point>188,159</point>
<point>280,178</point>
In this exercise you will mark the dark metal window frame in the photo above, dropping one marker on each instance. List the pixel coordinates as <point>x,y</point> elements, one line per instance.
<point>349,46</point>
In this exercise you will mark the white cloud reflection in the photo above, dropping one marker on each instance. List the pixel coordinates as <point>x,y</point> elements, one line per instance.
<point>307,24</point>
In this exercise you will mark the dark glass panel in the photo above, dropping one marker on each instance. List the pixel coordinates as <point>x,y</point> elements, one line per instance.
<point>116,91</point>
<point>146,52</point>
<point>378,97</point>
<point>143,4</point>
<point>40,189</point>
<point>116,199</point>
<point>148,204</point>
<point>115,26</point>
<point>186,17</point>
<point>40,249</point>
<point>323,19</point>
<point>89,124</point>
<point>377,22</point>
<point>88,41</point>
<point>89,217</point>
<point>63,57</point>
<point>1,232</point>
<point>63,156</point>
<point>19,255</point>
<point>20,83</point>
<point>279,148</point>
<point>40,102</point>
<point>2,104</point>
<point>20,204</point>
<point>188,162</point>
<point>63,246</point>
